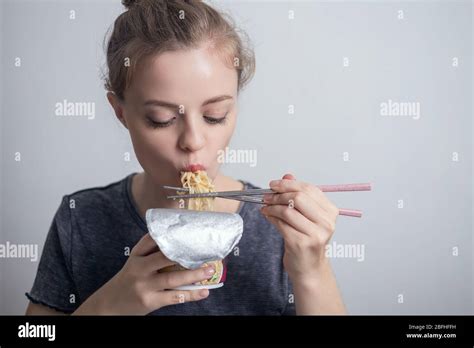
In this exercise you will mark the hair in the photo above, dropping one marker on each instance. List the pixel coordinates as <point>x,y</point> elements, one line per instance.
<point>150,27</point>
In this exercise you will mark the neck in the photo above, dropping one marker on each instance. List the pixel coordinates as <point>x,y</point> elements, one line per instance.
<point>152,194</point>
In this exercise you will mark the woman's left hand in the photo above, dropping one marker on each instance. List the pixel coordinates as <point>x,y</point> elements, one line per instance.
<point>306,219</point>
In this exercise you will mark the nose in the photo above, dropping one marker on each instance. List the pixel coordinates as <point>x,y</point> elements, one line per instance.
<point>192,136</point>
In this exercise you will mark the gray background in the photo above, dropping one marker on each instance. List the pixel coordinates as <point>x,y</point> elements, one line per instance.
<point>407,251</point>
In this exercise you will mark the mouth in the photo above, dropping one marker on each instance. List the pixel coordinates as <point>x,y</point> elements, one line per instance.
<point>193,167</point>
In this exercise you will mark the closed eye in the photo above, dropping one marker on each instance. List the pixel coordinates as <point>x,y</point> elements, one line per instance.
<point>209,119</point>
<point>216,120</point>
<point>155,124</point>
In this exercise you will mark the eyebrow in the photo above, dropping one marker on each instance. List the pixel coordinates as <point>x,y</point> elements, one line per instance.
<point>175,106</point>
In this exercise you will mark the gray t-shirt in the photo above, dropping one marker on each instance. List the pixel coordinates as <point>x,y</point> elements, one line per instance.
<point>94,228</point>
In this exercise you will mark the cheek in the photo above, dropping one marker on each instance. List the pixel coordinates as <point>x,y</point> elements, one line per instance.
<point>229,130</point>
<point>148,145</point>
<point>219,136</point>
<point>227,137</point>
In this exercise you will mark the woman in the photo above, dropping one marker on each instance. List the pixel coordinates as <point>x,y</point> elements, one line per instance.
<point>175,69</point>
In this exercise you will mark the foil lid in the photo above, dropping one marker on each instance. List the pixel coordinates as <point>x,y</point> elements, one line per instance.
<point>190,237</point>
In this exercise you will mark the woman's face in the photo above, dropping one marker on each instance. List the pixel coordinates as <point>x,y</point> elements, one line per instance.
<point>180,109</point>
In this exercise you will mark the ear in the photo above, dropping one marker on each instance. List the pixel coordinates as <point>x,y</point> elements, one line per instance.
<point>118,107</point>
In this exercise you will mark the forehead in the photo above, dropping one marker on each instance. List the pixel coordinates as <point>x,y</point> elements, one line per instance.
<point>184,76</point>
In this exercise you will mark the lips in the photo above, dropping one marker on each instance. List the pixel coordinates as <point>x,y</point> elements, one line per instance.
<point>194,168</point>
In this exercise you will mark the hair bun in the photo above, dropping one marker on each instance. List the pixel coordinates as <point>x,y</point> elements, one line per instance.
<point>129,3</point>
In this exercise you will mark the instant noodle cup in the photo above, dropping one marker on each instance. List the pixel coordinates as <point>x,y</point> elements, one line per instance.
<point>194,239</point>
<point>215,281</point>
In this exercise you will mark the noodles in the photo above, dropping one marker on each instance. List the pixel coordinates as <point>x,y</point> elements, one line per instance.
<point>198,182</point>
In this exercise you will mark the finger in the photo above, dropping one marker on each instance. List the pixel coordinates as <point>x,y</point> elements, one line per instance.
<point>300,222</point>
<point>146,245</point>
<point>301,201</point>
<point>170,280</point>
<point>314,192</point>
<point>289,234</point>
<point>154,262</point>
<point>291,216</point>
<point>289,177</point>
<point>286,185</point>
<point>170,297</point>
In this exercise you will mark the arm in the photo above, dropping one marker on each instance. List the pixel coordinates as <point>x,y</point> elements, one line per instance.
<point>319,295</point>
<point>138,288</point>
<point>306,219</point>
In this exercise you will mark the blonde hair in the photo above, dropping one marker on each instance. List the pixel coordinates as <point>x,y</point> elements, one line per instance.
<point>150,27</point>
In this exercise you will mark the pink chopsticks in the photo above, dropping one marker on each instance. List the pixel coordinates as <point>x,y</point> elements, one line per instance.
<point>254,195</point>
<point>344,188</point>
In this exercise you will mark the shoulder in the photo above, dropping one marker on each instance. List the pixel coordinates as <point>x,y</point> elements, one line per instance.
<point>97,198</point>
<point>99,194</point>
<point>93,203</point>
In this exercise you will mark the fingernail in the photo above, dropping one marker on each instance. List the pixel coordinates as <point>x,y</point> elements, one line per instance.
<point>274,182</point>
<point>203,292</point>
<point>267,197</point>
<point>210,270</point>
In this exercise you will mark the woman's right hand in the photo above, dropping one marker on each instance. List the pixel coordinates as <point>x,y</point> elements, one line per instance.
<point>138,289</point>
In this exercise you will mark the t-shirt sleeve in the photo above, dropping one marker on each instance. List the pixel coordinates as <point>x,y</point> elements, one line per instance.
<point>53,285</point>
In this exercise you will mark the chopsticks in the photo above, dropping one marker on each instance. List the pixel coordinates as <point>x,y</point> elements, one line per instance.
<point>254,195</point>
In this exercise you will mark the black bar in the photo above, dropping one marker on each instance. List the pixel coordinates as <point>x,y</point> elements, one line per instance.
<point>313,330</point>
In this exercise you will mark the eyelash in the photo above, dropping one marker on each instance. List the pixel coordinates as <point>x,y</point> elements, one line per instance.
<point>155,124</point>
<point>210,120</point>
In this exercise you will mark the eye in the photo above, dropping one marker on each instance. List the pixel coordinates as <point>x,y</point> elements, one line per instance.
<point>216,120</point>
<point>155,124</point>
